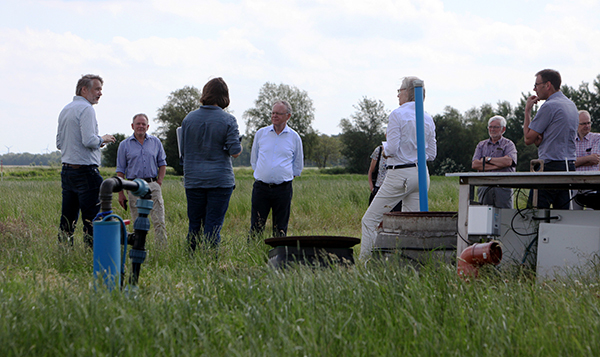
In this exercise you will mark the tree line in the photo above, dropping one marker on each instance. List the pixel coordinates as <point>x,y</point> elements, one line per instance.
<point>457,133</point>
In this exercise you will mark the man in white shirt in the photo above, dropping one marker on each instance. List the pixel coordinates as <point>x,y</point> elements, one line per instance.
<point>277,157</point>
<point>402,177</point>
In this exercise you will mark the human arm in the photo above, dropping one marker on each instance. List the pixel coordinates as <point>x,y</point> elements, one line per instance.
<point>298,163</point>
<point>589,160</point>
<point>122,197</point>
<point>239,153</point>
<point>162,171</point>
<point>255,148</point>
<point>370,173</point>
<point>492,163</point>
<point>431,149</point>
<point>530,136</point>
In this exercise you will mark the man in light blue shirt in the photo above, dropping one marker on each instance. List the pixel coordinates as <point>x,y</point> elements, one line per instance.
<point>553,130</point>
<point>277,157</point>
<point>142,156</point>
<point>78,140</point>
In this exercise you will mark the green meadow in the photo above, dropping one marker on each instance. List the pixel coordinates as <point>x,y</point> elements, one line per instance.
<point>236,305</point>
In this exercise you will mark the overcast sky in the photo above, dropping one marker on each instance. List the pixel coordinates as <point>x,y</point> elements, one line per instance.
<point>467,52</point>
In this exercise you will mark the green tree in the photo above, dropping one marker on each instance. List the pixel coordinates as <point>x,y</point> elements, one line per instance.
<point>302,112</point>
<point>327,149</point>
<point>109,153</point>
<point>362,133</point>
<point>586,100</point>
<point>170,116</point>
<point>454,147</point>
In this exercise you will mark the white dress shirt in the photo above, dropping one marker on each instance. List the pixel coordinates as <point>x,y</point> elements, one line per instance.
<point>401,145</point>
<point>276,158</point>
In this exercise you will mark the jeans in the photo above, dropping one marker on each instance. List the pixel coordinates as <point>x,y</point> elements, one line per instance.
<point>266,197</point>
<point>80,191</point>
<point>206,208</point>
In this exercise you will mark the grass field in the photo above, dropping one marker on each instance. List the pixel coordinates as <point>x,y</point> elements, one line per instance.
<point>238,306</point>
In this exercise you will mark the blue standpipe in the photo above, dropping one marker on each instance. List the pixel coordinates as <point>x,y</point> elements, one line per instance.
<point>421,155</point>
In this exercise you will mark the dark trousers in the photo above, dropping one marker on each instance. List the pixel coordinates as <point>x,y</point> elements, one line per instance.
<point>266,197</point>
<point>80,192</point>
<point>206,208</point>
<point>559,199</point>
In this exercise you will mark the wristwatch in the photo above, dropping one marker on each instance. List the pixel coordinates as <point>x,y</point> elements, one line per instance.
<point>489,159</point>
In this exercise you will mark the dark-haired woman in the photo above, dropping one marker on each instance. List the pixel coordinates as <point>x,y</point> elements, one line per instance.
<point>209,139</point>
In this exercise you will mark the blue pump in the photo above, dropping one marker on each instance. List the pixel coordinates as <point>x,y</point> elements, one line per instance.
<point>110,233</point>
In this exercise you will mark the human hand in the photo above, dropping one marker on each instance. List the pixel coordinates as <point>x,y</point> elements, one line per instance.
<point>594,159</point>
<point>531,101</point>
<point>107,138</point>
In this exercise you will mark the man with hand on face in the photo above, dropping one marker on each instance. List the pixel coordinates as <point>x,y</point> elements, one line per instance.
<point>553,130</point>
<point>142,156</point>
<point>277,157</point>
<point>78,140</point>
<point>496,154</point>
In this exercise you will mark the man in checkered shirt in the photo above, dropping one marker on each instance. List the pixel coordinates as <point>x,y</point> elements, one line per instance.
<point>588,150</point>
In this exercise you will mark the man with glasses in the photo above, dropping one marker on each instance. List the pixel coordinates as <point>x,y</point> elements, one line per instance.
<point>277,157</point>
<point>496,154</point>
<point>553,130</point>
<point>588,152</point>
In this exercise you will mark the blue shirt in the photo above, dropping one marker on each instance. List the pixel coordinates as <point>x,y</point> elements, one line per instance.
<point>209,136</point>
<point>276,158</point>
<point>558,120</point>
<point>77,135</point>
<point>135,160</point>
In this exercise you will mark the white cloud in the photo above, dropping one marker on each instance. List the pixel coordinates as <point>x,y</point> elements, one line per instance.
<point>336,50</point>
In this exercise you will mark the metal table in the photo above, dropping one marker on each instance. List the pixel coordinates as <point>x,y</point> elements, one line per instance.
<point>589,180</point>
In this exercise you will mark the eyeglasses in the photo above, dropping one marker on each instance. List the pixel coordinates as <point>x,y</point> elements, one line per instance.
<point>494,127</point>
<point>586,123</point>
<point>537,84</point>
<point>400,90</point>
<point>276,113</point>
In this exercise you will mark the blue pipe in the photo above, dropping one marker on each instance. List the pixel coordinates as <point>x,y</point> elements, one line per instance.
<point>421,155</point>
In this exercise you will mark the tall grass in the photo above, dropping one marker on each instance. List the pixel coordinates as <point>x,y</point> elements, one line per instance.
<point>236,305</point>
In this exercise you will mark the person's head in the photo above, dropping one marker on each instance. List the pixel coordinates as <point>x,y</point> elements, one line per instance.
<point>215,92</point>
<point>406,93</point>
<point>496,127</point>
<point>281,113</point>
<point>140,125</point>
<point>547,82</point>
<point>90,87</point>
<point>585,123</point>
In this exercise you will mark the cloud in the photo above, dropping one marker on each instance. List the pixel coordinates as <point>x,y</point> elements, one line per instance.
<point>336,50</point>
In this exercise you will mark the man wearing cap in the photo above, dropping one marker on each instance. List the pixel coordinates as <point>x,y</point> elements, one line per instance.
<point>142,156</point>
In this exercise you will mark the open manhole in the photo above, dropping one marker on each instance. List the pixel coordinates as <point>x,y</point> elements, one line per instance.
<point>311,250</point>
